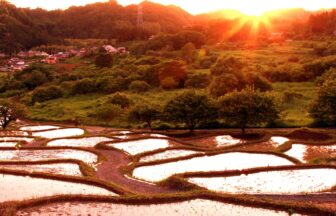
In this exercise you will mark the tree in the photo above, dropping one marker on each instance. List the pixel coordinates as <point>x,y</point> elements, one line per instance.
<point>190,108</point>
<point>120,99</point>
<point>224,84</point>
<point>227,65</point>
<point>9,112</point>
<point>46,93</point>
<point>104,60</point>
<point>84,86</point>
<point>248,108</point>
<point>197,80</point>
<point>108,112</point>
<point>188,52</point>
<point>323,109</point>
<point>144,113</point>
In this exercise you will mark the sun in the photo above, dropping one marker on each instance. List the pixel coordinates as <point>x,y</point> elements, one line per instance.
<point>254,11</point>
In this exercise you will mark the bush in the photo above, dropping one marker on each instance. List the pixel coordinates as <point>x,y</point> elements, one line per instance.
<point>169,83</point>
<point>197,81</point>
<point>224,84</point>
<point>289,97</point>
<point>139,86</point>
<point>323,108</point>
<point>108,112</point>
<point>46,93</point>
<point>261,83</point>
<point>104,60</point>
<point>84,86</point>
<point>227,65</point>
<point>120,99</point>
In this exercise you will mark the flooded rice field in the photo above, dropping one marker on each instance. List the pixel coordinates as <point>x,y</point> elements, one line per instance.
<point>218,141</point>
<point>48,154</point>
<point>186,208</point>
<point>305,153</point>
<point>55,168</point>
<point>80,142</point>
<point>272,182</point>
<point>29,188</point>
<point>220,162</point>
<point>39,128</point>
<point>168,154</point>
<point>8,144</point>
<point>13,138</point>
<point>59,133</point>
<point>141,146</point>
<point>13,133</point>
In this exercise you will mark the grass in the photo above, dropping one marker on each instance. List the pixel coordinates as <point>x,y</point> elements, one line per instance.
<point>295,113</point>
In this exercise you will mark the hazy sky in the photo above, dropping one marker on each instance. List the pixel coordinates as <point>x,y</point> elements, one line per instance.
<point>252,7</point>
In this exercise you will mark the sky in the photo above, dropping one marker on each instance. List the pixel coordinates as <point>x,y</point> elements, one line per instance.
<point>249,7</point>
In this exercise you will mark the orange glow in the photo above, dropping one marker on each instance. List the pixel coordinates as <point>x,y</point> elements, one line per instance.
<point>248,7</point>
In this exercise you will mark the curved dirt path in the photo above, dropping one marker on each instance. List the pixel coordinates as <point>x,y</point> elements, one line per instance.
<point>109,171</point>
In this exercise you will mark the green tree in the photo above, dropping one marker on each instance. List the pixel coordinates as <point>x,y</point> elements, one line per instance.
<point>248,108</point>
<point>190,108</point>
<point>189,53</point>
<point>84,86</point>
<point>144,113</point>
<point>224,84</point>
<point>46,93</point>
<point>120,99</point>
<point>323,108</point>
<point>108,112</point>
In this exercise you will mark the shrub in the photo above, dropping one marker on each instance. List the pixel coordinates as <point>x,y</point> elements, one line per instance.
<point>323,108</point>
<point>139,86</point>
<point>120,99</point>
<point>224,84</point>
<point>261,83</point>
<point>108,112</point>
<point>197,81</point>
<point>46,93</point>
<point>169,83</point>
<point>227,65</point>
<point>104,60</point>
<point>84,86</point>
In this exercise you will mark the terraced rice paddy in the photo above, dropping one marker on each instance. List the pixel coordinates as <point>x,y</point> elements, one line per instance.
<point>272,182</point>
<point>18,188</point>
<point>219,162</point>
<point>8,144</point>
<point>308,152</point>
<point>39,128</point>
<point>141,146</point>
<point>186,208</point>
<point>13,133</point>
<point>80,142</point>
<point>55,168</point>
<point>168,154</point>
<point>13,138</point>
<point>48,154</point>
<point>59,133</point>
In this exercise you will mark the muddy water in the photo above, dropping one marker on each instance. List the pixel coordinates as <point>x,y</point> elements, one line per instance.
<point>81,142</point>
<point>220,162</point>
<point>273,182</point>
<point>187,208</point>
<point>17,188</point>
<point>57,168</point>
<point>141,146</point>
<point>38,155</point>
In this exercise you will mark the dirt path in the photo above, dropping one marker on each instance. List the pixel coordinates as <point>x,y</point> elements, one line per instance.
<point>109,171</point>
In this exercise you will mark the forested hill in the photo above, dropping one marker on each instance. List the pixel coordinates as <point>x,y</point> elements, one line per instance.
<point>25,28</point>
